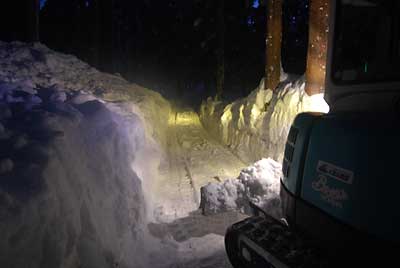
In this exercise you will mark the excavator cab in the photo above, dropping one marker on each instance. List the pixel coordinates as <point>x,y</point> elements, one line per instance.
<point>341,182</point>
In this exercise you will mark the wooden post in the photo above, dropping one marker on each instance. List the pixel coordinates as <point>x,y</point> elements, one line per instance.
<point>317,46</point>
<point>273,44</point>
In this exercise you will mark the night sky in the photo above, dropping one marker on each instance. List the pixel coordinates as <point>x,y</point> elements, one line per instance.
<point>42,2</point>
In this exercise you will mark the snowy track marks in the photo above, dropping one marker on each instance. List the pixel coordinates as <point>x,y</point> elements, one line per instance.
<point>194,159</point>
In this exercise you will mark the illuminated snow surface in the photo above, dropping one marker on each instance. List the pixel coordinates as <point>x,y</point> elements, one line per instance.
<point>192,160</point>
<point>98,172</point>
<point>257,126</point>
<point>259,184</point>
<point>70,187</point>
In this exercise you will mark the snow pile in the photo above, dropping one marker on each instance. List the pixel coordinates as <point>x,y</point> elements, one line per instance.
<point>74,157</point>
<point>36,66</point>
<point>69,196</point>
<point>259,183</point>
<point>257,126</point>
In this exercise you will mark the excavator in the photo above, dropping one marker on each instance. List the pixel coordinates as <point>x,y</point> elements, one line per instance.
<point>340,186</point>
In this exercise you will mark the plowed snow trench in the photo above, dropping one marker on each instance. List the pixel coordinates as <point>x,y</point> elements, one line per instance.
<point>192,160</point>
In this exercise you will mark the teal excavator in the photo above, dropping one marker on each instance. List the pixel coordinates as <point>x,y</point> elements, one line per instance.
<point>340,189</point>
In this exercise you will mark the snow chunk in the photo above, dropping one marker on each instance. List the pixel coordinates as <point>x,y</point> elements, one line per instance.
<point>219,197</point>
<point>259,183</point>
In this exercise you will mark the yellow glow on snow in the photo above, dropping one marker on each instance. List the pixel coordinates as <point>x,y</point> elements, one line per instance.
<point>171,119</point>
<point>241,117</point>
<point>257,126</point>
<point>316,103</point>
<point>254,115</point>
<point>212,110</point>
<point>227,115</point>
<point>226,118</point>
<point>183,118</point>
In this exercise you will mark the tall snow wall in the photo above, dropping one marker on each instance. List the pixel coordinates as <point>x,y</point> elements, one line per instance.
<point>257,126</point>
<point>74,159</point>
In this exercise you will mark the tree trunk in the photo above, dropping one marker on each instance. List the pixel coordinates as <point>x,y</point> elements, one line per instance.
<point>221,49</point>
<point>32,22</point>
<point>273,44</point>
<point>317,46</point>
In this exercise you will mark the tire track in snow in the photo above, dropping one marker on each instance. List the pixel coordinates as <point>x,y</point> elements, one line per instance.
<point>196,197</point>
<point>193,159</point>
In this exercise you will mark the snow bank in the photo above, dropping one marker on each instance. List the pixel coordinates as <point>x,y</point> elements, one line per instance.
<point>257,126</point>
<point>259,183</point>
<point>36,66</point>
<point>69,196</point>
<point>74,159</point>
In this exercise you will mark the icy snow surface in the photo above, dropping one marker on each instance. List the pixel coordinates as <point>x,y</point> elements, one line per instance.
<point>257,126</point>
<point>98,172</point>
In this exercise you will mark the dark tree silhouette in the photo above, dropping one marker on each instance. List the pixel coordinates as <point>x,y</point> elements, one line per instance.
<point>20,20</point>
<point>32,22</point>
<point>168,45</point>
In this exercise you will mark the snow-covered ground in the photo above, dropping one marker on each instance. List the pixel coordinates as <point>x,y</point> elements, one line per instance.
<point>193,160</point>
<point>257,126</point>
<point>98,172</point>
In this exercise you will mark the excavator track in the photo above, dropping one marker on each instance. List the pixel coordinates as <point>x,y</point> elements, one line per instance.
<point>262,241</point>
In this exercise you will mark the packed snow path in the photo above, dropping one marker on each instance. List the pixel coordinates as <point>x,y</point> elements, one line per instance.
<point>192,160</point>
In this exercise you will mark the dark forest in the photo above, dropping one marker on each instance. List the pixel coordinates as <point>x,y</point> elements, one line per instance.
<point>183,49</point>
